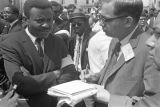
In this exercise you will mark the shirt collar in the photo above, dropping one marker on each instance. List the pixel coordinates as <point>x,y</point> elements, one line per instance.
<point>13,22</point>
<point>82,36</point>
<point>33,38</point>
<point>126,39</point>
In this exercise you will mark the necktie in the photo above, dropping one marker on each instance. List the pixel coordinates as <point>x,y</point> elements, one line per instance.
<point>111,61</point>
<point>114,56</point>
<point>40,50</point>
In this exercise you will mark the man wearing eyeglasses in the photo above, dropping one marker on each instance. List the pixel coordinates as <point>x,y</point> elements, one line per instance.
<point>127,80</point>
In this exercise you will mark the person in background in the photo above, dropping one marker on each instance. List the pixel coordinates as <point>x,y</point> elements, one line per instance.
<point>98,47</point>
<point>57,10</point>
<point>79,40</point>
<point>35,59</point>
<point>143,22</point>
<point>11,15</point>
<point>2,24</point>
<point>60,25</point>
<point>153,43</point>
<point>71,8</point>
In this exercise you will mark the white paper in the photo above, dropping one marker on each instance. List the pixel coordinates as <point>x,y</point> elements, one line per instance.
<point>72,92</point>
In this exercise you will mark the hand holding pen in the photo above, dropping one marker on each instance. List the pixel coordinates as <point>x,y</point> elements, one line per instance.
<point>14,90</point>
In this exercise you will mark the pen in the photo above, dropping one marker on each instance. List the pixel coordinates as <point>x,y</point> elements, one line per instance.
<point>14,90</point>
<point>22,99</point>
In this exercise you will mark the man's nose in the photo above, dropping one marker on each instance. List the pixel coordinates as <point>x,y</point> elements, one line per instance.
<point>46,25</point>
<point>76,25</point>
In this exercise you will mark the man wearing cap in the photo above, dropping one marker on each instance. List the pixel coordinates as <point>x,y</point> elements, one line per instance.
<point>79,39</point>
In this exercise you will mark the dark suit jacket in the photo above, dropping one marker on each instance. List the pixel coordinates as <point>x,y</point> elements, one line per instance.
<point>2,24</point>
<point>17,26</point>
<point>134,77</point>
<point>18,50</point>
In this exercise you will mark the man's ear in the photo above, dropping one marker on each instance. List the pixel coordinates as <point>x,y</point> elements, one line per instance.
<point>128,21</point>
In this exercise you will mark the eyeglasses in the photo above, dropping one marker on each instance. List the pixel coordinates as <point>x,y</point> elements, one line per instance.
<point>8,12</point>
<point>77,24</point>
<point>104,19</point>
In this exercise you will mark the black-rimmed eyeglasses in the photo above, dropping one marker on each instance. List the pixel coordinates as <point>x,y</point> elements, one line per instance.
<point>105,19</point>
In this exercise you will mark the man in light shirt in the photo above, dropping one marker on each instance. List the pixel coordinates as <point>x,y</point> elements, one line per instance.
<point>98,51</point>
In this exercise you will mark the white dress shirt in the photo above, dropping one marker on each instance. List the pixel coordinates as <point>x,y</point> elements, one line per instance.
<point>33,39</point>
<point>98,51</point>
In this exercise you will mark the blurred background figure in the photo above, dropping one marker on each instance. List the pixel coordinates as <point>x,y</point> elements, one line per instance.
<point>57,10</point>
<point>79,40</point>
<point>143,20</point>
<point>71,8</point>
<point>61,22</point>
<point>11,15</point>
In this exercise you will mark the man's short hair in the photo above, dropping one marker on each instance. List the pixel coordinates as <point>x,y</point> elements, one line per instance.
<point>29,4</point>
<point>56,4</point>
<point>70,6</point>
<point>14,9</point>
<point>131,8</point>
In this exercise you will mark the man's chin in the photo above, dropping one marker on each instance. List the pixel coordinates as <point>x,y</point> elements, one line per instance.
<point>44,34</point>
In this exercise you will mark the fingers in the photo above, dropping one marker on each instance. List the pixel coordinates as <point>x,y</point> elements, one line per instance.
<point>9,94</point>
<point>57,73</point>
<point>14,100</point>
<point>15,97</point>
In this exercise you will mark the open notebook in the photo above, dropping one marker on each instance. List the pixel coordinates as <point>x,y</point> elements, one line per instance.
<point>73,91</point>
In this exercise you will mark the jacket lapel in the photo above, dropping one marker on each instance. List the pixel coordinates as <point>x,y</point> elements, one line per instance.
<point>32,52</point>
<point>105,70</point>
<point>134,42</point>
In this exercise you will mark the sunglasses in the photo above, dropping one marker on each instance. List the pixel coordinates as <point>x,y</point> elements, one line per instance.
<point>77,24</point>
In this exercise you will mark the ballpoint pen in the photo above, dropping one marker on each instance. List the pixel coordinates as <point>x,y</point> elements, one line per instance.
<point>14,90</point>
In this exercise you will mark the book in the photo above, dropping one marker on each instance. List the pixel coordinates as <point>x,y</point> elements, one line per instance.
<point>72,92</point>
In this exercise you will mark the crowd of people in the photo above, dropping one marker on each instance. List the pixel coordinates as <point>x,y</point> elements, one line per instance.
<point>115,46</point>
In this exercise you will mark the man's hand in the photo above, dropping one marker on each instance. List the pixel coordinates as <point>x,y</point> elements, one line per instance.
<point>102,94</point>
<point>92,77</point>
<point>57,73</point>
<point>9,101</point>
